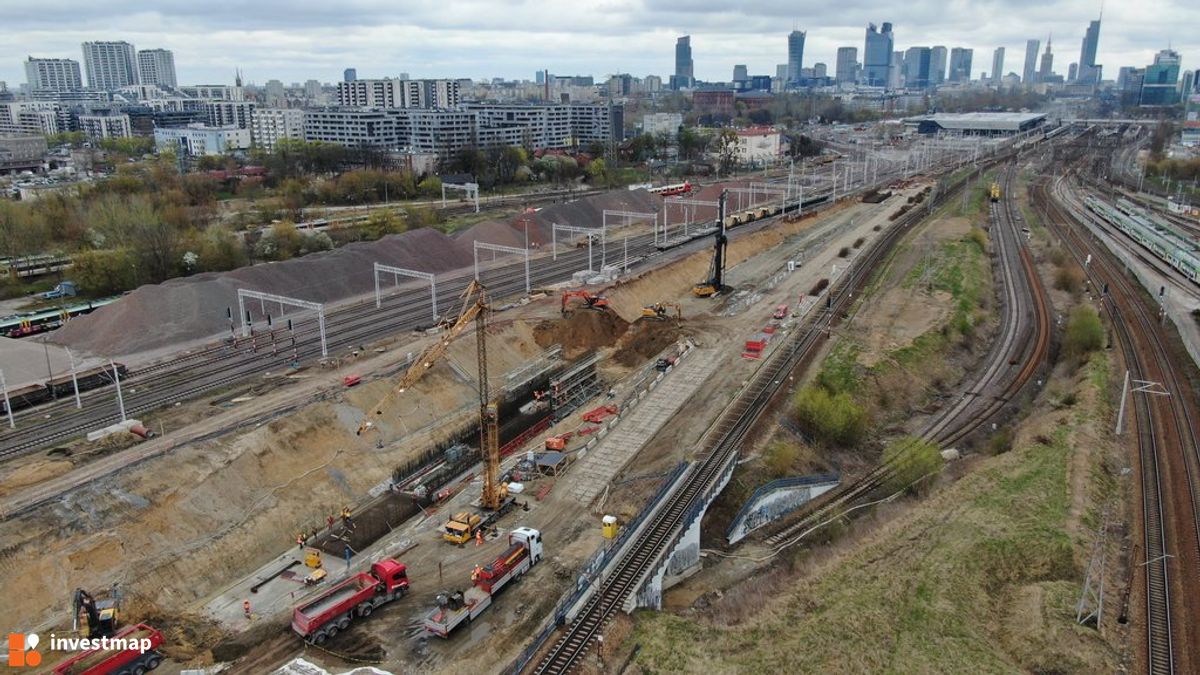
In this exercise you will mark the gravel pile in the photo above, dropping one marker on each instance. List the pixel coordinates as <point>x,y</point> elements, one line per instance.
<point>192,308</point>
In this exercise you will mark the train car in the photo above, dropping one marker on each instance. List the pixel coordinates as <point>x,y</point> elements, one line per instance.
<point>671,190</point>
<point>26,397</point>
<point>44,321</point>
<point>92,378</point>
<point>1127,218</point>
<point>995,192</point>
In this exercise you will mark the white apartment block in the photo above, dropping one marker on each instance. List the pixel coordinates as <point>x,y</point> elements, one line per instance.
<point>661,123</point>
<point>353,127</point>
<point>216,92</point>
<point>229,113</point>
<point>157,67</point>
<point>268,126</point>
<point>97,127</point>
<point>759,145</point>
<point>196,139</point>
<point>32,117</point>
<point>440,94</point>
<point>53,75</point>
<point>110,65</point>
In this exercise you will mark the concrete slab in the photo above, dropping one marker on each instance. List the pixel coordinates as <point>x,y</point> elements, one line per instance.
<point>592,473</point>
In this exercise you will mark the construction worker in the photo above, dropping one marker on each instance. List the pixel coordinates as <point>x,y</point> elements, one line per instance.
<point>475,574</point>
<point>479,537</point>
<point>346,515</point>
<point>246,609</point>
<point>329,520</point>
<point>300,540</point>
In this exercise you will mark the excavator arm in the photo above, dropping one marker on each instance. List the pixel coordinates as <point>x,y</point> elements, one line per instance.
<point>473,304</point>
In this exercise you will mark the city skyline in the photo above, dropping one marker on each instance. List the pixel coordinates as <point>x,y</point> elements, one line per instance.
<point>210,43</point>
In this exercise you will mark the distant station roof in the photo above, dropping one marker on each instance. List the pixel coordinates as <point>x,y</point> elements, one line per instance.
<point>977,122</point>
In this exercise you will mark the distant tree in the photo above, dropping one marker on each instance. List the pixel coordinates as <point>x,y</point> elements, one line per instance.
<point>727,144</point>
<point>430,187</point>
<point>105,272</point>
<point>911,461</point>
<point>597,171</point>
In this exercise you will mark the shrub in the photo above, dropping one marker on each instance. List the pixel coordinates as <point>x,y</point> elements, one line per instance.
<point>911,458</point>
<point>1085,333</point>
<point>818,287</point>
<point>833,419</point>
<point>977,237</point>
<point>859,242</point>
<point>844,252</point>
<point>1069,279</point>
<point>780,458</point>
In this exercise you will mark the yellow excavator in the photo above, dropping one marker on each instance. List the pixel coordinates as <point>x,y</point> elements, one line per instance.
<point>494,500</point>
<point>660,310</point>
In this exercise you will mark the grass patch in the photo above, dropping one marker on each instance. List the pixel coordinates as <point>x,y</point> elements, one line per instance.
<point>980,577</point>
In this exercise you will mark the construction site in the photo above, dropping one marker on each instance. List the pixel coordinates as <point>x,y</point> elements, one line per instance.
<point>625,402</point>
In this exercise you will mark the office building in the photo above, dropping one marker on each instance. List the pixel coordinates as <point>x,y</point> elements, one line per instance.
<point>274,92</point>
<point>53,75</point>
<point>312,89</point>
<point>820,71</point>
<point>795,60</point>
<point>196,139</point>
<point>157,66</point>
<point>1073,72</point>
<point>877,55</point>
<point>1160,83</point>
<point>349,75</point>
<point>1089,72</point>
<point>684,77</point>
<point>268,126</point>
<point>960,64</point>
<point>109,65</point>
<point>740,74</point>
<point>229,113</point>
<point>916,67</point>
<point>652,84</point>
<point>1029,75</point>
<point>98,127</point>
<point>937,65</point>
<point>846,68</point>
<point>1047,68</point>
<point>997,65</point>
<point>896,71</point>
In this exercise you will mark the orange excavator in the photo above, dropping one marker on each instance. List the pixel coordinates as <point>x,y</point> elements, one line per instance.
<point>590,301</point>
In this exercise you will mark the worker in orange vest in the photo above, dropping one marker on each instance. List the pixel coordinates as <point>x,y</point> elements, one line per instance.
<point>246,609</point>
<point>479,537</point>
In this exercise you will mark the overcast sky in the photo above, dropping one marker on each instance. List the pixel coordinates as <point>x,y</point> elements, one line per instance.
<point>294,40</point>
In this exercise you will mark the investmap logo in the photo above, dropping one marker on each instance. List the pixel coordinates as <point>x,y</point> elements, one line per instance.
<point>22,650</point>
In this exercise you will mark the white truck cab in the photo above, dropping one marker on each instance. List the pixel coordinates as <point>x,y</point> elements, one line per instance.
<point>532,540</point>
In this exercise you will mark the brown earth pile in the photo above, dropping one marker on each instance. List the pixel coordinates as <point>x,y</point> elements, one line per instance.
<point>582,331</point>
<point>645,339</point>
<point>192,308</point>
<point>587,212</point>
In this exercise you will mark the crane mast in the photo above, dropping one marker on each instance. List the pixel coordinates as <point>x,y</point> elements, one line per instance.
<point>489,415</point>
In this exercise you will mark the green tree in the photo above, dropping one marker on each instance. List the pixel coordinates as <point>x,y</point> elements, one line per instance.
<point>430,187</point>
<point>597,171</point>
<point>780,458</point>
<point>728,144</point>
<point>280,242</point>
<point>105,272</point>
<point>381,223</point>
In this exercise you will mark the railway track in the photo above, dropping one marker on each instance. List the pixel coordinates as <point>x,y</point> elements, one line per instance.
<point>1020,342</point>
<point>1168,458</point>
<point>720,447</point>
<point>1024,337</point>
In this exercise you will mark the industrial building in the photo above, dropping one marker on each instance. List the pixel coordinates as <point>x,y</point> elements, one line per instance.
<point>196,140</point>
<point>977,123</point>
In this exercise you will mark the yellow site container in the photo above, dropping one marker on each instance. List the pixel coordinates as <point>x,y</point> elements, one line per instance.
<point>609,527</point>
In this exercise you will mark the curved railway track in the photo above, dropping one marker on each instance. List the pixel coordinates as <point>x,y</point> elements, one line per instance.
<point>1168,458</point>
<point>720,446</point>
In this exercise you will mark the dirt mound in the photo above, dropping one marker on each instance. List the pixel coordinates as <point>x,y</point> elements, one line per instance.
<point>193,308</point>
<point>644,340</point>
<point>581,332</point>
<point>188,638</point>
<point>490,232</point>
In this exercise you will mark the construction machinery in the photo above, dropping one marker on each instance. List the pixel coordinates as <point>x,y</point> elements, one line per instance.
<point>322,617</point>
<point>715,283</point>
<point>100,615</point>
<point>559,442</point>
<point>660,310</point>
<point>995,192</point>
<point>590,301</point>
<point>494,500</point>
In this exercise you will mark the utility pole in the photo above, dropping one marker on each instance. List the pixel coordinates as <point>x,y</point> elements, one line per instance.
<point>7,404</point>
<point>117,380</point>
<point>74,380</point>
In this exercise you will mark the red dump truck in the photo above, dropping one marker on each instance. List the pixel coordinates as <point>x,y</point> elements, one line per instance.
<point>133,649</point>
<point>322,617</point>
<point>524,551</point>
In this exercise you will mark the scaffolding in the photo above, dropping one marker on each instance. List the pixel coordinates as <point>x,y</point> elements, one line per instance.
<point>575,386</point>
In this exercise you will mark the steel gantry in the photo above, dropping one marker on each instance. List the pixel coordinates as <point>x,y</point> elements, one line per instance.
<point>398,272</point>
<point>497,248</point>
<point>687,220</point>
<point>282,301</point>
<point>589,232</point>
